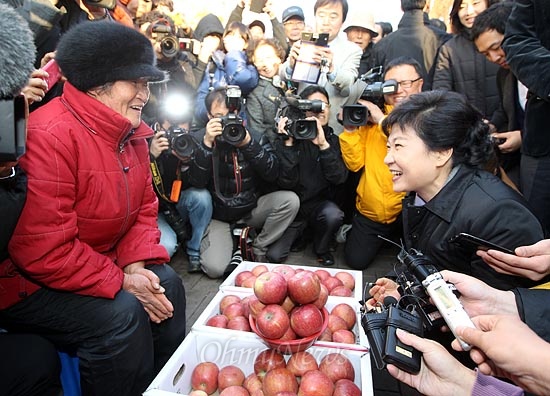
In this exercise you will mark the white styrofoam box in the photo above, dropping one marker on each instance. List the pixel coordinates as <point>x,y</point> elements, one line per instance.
<point>175,376</point>
<point>213,308</point>
<point>229,282</point>
<point>361,341</point>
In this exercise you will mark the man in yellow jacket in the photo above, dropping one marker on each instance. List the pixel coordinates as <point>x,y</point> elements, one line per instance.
<point>378,207</point>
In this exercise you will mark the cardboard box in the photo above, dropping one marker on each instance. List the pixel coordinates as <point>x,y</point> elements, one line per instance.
<point>229,282</point>
<point>213,309</point>
<point>175,376</point>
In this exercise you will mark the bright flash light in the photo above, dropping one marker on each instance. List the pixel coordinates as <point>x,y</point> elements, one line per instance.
<point>176,105</point>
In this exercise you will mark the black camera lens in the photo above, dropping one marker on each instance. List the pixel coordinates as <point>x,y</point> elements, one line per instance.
<point>355,115</point>
<point>234,134</point>
<point>304,129</point>
<point>183,145</point>
<point>169,46</point>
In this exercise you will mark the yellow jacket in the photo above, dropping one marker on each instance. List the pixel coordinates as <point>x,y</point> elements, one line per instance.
<point>365,148</point>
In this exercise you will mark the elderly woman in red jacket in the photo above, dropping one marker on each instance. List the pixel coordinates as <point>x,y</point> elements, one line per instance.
<point>87,270</point>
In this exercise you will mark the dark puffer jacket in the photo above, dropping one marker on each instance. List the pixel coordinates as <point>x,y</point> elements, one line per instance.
<point>461,68</point>
<point>477,203</point>
<point>242,175</point>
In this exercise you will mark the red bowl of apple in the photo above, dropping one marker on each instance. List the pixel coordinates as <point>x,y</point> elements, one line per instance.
<point>291,346</point>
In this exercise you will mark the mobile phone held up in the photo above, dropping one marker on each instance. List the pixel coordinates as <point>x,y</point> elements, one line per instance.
<point>54,74</point>
<point>257,6</point>
<point>467,240</point>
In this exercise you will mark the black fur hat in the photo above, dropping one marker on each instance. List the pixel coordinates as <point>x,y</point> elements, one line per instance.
<point>94,53</point>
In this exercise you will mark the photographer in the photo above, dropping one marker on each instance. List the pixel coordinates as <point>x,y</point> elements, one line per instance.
<point>237,166</point>
<point>377,206</point>
<point>171,152</point>
<point>312,167</point>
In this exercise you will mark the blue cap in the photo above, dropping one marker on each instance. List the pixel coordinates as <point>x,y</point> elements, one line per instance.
<point>293,12</point>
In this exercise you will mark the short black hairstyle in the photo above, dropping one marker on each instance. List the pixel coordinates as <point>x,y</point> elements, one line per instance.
<point>311,89</point>
<point>387,28</point>
<point>405,60</point>
<point>493,18</point>
<point>322,3</point>
<point>218,95</point>
<point>409,5</point>
<point>446,120</point>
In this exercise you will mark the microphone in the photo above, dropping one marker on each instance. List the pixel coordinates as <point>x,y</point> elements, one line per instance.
<point>17,52</point>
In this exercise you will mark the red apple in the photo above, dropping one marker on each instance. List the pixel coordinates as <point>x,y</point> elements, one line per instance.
<point>345,387</point>
<point>322,274</point>
<point>272,321</point>
<point>285,270</point>
<point>288,304</point>
<point>255,306</point>
<point>306,320</point>
<point>205,377</point>
<point>241,276</point>
<point>198,393</point>
<point>259,269</point>
<point>341,291</point>
<point>337,366</point>
<point>279,380</point>
<point>228,300</point>
<point>257,392</point>
<point>252,383</point>
<point>304,287</point>
<point>336,323</point>
<point>249,282</point>
<point>234,390</point>
<point>326,335</point>
<point>323,297</point>
<point>246,307</point>
<point>315,383</point>
<point>285,394</point>
<point>343,336</point>
<point>289,335</point>
<point>266,360</point>
<point>217,321</point>
<point>346,312</point>
<point>270,288</point>
<point>331,282</point>
<point>229,376</point>
<point>239,323</point>
<point>347,279</point>
<point>233,310</point>
<point>300,363</point>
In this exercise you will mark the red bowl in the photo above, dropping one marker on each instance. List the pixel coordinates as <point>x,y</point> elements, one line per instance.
<point>288,347</point>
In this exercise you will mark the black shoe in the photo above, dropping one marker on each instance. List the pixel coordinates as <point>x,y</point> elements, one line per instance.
<point>194,264</point>
<point>325,259</point>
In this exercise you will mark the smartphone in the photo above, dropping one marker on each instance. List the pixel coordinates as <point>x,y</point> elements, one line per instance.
<point>468,240</point>
<point>307,36</point>
<point>54,74</point>
<point>322,40</point>
<point>257,6</point>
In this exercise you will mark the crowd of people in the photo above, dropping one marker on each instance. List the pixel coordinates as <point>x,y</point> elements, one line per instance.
<point>230,144</point>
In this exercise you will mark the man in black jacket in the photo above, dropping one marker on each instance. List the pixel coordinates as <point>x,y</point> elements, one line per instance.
<point>415,37</point>
<point>238,167</point>
<point>527,47</point>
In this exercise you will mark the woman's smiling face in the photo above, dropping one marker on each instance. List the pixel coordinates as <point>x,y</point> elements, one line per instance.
<point>266,60</point>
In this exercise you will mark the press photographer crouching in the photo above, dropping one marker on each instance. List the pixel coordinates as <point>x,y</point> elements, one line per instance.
<point>184,211</point>
<point>239,168</point>
<point>363,143</point>
<point>311,166</point>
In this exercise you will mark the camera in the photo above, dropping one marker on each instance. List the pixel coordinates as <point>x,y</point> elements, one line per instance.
<point>189,45</point>
<point>162,33</point>
<point>181,142</point>
<point>233,131</point>
<point>373,90</point>
<point>175,221</point>
<point>294,108</point>
<point>13,128</point>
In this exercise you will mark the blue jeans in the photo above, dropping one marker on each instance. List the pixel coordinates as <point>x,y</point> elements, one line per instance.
<point>195,205</point>
<point>168,237</point>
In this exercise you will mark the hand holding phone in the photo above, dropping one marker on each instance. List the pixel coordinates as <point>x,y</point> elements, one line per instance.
<point>257,6</point>
<point>54,74</point>
<point>467,240</point>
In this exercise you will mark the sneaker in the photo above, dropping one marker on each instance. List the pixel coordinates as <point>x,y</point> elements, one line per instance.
<point>194,264</point>
<point>342,233</point>
<point>325,259</point>
<point>236,259</point>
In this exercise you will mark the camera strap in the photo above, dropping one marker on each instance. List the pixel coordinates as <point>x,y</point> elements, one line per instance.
<point>159,186</point>
<point>216,174</point>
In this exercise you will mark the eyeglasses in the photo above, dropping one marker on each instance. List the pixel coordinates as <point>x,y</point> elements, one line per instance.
<point>408,83</point>
<point>294,23</point>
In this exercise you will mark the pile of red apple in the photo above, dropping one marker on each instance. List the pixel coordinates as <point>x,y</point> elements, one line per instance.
<point>340,284</point>
<point>274,376</point>
<point>287,305</point>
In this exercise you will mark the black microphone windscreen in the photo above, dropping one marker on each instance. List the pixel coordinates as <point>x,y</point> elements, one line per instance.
<point>390,300</point>
<point>17,52</point>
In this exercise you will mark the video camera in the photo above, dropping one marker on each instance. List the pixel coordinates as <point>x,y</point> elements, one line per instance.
<point>233,131</point>
<point>413,312</point>
<point>373,90</point>
<point>294,108</point>
<point>162,33</point>
<point>181,142</point>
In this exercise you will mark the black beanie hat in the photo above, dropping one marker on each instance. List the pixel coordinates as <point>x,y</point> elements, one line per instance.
<point>97,52</point>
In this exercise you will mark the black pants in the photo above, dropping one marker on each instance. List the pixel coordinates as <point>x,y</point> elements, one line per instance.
<point>29,366</point>
<point>362,242</point>
<point>119,349</point>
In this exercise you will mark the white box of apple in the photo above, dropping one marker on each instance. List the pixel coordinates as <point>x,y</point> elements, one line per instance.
<point>290,310</point>
<point>339,282</point>
<point>207,364</point>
